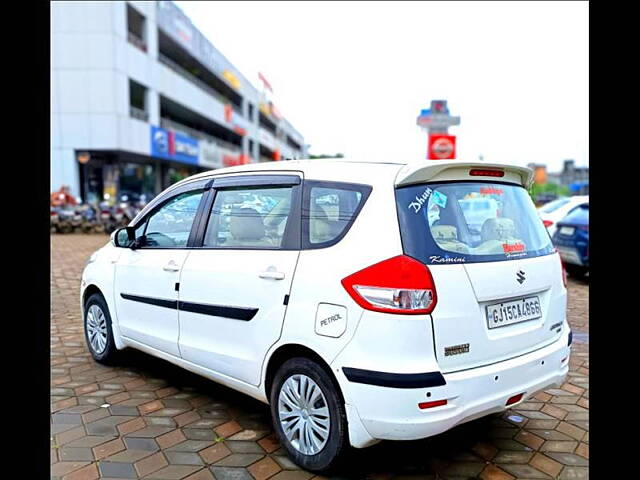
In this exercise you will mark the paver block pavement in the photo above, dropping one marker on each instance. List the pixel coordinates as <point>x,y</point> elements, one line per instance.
<point>158,418</point>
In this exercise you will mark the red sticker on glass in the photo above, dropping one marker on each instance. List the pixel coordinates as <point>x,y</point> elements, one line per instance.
<point>491,191</point>
<point>516,247</point>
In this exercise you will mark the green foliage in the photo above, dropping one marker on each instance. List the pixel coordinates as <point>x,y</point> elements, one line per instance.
<point>548,188</point>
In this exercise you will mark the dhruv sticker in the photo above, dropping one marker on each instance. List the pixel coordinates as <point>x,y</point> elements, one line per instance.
<point>420,200</point>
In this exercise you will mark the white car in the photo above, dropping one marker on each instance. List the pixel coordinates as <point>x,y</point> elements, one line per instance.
<point>355,315</point>
<point>551,213</point>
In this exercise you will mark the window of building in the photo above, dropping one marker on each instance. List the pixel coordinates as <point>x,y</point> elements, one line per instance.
<point>137,182</point>
<point>136,28</point>
<point>177,58</point>
<point>138,101</point>
<point>251,110</point>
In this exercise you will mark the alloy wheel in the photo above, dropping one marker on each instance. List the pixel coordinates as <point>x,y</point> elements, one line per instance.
<point>97,329</point>
<point>304,414</point>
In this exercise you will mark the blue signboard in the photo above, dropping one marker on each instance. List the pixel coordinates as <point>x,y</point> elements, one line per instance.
<point>173,146</point>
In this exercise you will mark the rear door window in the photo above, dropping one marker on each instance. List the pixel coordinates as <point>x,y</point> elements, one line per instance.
<point>463,222</point>
<point>249,217</point>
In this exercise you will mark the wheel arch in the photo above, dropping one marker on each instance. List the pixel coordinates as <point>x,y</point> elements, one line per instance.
<point>90,290</point>
<point>291,350</point>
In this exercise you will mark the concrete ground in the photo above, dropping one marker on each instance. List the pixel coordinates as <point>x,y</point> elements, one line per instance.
<point>146,418</point>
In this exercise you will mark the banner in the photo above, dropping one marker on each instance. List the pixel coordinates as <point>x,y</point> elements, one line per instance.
<point>173,146</point>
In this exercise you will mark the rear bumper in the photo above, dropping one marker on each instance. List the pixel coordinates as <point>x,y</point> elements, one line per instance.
<point>378,412</point>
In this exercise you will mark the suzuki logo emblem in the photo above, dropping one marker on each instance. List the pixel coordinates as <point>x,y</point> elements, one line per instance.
<point>520,276</point>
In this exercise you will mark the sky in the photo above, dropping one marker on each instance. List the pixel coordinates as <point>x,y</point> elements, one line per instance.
<point>353,76</point>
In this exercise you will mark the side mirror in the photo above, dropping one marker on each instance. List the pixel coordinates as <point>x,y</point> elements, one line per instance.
<point>123,237</point>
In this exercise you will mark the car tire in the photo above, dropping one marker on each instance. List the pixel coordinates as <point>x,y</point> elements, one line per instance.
<point>576,271</point>
<point>336,444</point>
<point>97,330</point>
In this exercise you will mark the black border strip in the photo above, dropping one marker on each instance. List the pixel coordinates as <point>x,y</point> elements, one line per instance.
<point>394,380</point>
<point>158,302</point>
<point>236,313</point>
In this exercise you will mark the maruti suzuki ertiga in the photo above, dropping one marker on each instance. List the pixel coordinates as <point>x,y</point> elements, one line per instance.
<point>361,301</point>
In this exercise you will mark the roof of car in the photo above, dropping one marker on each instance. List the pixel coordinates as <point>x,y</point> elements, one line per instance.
<point>346,169</point>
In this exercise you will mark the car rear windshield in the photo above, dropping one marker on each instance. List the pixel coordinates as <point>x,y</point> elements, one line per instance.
<point>469,222</point>
<point>578,216</point>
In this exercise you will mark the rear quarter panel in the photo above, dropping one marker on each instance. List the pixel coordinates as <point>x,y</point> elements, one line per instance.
<point>373,237</point>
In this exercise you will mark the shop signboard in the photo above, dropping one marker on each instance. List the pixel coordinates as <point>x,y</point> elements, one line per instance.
<point>173,146</point>
<point>442,147</point>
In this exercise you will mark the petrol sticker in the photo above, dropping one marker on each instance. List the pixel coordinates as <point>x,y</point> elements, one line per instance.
<point>331,320</point>
<point>440,199</point>
<point>420,200</point>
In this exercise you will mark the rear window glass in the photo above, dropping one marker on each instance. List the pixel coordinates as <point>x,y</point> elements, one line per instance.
<point>553,206</point>
<point>578,215</point>
<point>466,222</point>
<point>329,210</point>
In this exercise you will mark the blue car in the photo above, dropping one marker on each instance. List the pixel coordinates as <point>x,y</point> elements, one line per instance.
<point>572,241</point>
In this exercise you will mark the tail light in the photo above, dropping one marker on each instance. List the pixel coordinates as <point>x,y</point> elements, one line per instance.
<point>547,223</point>
<point>436,403</point>
<point>397,285</point>
<point>477,172</point>
<point>564,271</point>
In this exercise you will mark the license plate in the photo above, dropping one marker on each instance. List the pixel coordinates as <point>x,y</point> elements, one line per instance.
<point>569,255</point>
<point>567,230</point>
<point>514,311</point>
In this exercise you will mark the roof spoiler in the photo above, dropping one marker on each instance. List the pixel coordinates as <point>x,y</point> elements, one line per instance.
<point>438,171</point>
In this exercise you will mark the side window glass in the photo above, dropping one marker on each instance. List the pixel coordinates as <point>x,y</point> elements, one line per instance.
<point>249,217</point>
<point>331,211</point>
<point>170,225</point>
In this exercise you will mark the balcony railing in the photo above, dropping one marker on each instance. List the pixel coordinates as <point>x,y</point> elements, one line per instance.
<point>137,41</point>
<point>192,78</point>
<point>138,113</point>
<point>178,127</point>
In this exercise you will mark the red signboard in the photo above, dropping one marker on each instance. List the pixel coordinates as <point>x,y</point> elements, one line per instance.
<point>441,147</point>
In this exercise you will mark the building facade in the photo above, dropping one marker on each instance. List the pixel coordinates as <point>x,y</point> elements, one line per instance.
<point>576,178</point>
<point>140,99</point>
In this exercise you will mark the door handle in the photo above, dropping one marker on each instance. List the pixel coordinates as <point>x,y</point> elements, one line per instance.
<point>171,267</point>
<point>272,274</point>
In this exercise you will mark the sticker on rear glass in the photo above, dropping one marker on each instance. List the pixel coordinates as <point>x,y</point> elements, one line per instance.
<point>439,199</point>
<point>513,248</point>
<point>491,191</point>
<point>420,200</point>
